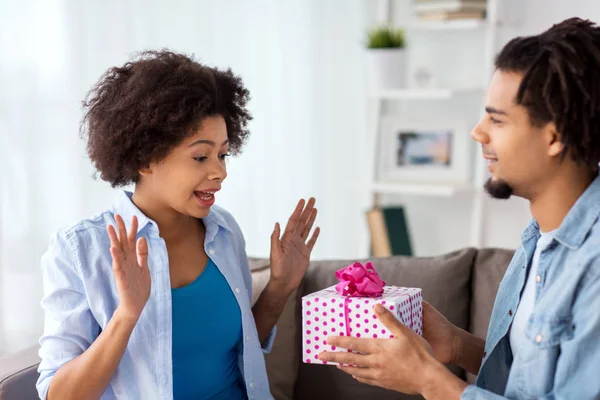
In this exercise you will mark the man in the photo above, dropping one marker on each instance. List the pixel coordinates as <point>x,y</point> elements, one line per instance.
<point>541,137</point>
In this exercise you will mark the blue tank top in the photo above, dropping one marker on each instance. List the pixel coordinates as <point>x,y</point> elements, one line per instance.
<point>207,334</point>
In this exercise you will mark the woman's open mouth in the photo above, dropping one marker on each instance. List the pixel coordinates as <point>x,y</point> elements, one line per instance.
<point>205,198</point>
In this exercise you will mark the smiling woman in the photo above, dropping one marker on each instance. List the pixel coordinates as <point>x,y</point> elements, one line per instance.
<point>174,284</point>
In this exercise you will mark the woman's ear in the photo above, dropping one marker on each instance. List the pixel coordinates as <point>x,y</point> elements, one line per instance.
<point>147,170</point>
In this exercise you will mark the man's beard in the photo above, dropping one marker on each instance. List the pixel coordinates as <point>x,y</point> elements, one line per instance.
<point>498,189</point>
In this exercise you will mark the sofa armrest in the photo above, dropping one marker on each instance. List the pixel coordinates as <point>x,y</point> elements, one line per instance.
<point>18,375</point>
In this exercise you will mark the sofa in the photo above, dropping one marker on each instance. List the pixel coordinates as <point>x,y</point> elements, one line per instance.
<point>462,285</point>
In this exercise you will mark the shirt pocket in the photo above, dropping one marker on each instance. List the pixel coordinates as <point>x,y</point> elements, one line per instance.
<point>539,358</point>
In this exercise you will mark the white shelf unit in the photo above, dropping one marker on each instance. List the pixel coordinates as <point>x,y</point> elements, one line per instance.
<point>422,189</point>
<point>474,188</point>
<point>423,94</point>
<point>454,25</point>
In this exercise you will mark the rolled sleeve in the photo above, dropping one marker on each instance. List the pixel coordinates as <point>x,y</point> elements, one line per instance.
<point>69,326</point>
<point>475,393</point>
<point>268,344</point>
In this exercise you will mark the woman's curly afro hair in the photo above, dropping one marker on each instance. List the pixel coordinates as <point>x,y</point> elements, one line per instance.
<point>137,113</point>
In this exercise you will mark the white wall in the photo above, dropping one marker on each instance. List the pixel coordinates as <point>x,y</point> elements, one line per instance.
<point>299,59</point>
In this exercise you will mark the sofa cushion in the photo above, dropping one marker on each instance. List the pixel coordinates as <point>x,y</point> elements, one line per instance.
<point>18,375</point>
<point>282,365</point>
<point>260,278</point>
<point>282,362</point>
<point>445,281</point>
<point>257,264</point>
<point>488,270</point>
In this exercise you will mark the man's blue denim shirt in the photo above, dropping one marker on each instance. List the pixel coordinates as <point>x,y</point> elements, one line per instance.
<point>562,359</point>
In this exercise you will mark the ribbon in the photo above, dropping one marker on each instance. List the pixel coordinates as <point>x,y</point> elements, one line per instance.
<point>357,280</point>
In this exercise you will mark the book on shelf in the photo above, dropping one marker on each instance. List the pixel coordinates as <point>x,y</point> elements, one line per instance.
<point>449,6</point>
<point>446,2</point>
<point>389,233</point>
<point>451,15</point>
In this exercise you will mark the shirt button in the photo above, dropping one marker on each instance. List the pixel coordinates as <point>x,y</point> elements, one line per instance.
<point>237,290</point>
<point>251,385</point>
<point>538,278</point>
<point>484,354</point>
<point>247,338</point>
<point>211,252</point>
<point>510,312</point>
<point>539,338</point>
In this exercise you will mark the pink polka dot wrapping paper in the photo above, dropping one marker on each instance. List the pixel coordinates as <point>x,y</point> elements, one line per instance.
<point>326,313</point>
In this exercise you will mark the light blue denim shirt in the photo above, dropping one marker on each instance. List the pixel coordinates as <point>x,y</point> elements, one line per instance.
<point>562,356</point>
<point>80,297</point>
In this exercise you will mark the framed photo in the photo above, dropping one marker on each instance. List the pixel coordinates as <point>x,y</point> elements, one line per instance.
<point>425,152</point>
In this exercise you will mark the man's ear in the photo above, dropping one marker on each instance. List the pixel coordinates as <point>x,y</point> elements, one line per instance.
<point>553,140</point>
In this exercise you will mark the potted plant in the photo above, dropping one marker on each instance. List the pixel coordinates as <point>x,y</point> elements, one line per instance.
<point>386,58</point>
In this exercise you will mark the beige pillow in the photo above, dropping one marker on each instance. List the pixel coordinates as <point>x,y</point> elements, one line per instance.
<point>488,270</point>
<point>260,278</point>
<point>282,362</point>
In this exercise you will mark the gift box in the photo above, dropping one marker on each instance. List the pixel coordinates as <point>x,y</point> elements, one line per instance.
<point>346,309</point>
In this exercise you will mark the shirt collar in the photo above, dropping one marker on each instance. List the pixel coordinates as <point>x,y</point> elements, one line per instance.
<point>578,222</point>
<point>581,218</point>
<point>125,207</point>
<point>213,221</point>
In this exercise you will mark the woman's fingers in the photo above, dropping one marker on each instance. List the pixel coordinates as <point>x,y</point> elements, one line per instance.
<point>117,258</point>
<point>142,253</point>
<point>122,235</point>
<point>311,243</point>
<point>306,214</point>
<point>132,232</point>
<point>112,235</point>
<point>292,223</point>
<point>309,224</point>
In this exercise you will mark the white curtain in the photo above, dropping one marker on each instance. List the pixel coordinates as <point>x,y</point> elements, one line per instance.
<point>301,60</point>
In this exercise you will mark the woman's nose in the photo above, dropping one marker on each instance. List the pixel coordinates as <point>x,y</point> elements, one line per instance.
<point>218,170</point>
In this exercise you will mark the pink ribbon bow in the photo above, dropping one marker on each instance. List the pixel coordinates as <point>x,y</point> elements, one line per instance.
<point>359,280</point>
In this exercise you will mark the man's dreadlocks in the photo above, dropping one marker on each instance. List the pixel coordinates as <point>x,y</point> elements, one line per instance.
<point>561,83</point>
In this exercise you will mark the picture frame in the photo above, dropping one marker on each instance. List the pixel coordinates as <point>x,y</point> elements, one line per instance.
<point>423,152</point>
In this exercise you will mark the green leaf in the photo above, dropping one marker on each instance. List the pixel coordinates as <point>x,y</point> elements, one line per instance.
<point>385,37</point>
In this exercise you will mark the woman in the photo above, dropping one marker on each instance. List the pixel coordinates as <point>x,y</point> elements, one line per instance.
<point>161,309</point>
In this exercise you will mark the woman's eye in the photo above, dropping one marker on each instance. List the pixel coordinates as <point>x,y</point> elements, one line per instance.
<point>200,159</point>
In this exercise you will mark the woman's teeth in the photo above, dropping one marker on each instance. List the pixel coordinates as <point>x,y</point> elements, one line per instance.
<point>206,195</point>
